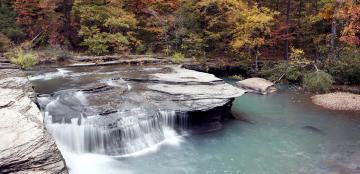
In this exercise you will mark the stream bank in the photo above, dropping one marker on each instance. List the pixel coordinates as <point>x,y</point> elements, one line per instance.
<point>26,147</point>
<point>338,101</point>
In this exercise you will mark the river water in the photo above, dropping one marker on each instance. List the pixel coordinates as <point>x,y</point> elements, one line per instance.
<point>282,133</point>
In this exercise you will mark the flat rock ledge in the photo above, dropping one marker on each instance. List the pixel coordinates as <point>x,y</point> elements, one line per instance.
<point>257,85</point>
<point>338,101</point>
<point>25,146</point>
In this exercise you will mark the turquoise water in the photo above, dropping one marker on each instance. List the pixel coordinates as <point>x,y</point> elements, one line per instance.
<point>287,134</point>
<point>283,133</point>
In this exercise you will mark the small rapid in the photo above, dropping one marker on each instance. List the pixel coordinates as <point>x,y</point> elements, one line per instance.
<point>60,72</point>
<point>82,135</point>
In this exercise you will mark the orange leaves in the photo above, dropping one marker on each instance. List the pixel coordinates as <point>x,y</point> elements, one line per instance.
<point>327,12</point>
<point>39,16</point>
<point>350,13</point>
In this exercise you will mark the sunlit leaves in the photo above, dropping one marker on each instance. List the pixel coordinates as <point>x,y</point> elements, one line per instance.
<point>105,27</point>
<point>252,27</point>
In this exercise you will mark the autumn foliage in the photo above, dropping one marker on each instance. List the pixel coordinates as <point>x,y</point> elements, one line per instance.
<point>201,28</point>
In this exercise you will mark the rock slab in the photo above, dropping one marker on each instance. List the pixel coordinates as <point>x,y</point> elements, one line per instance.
<point>25,146</point>
<point>257,85</point>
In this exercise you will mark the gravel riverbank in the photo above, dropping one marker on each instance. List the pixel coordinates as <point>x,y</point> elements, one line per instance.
<point>338,101</point>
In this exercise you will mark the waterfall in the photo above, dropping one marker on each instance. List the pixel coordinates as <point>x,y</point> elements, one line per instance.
<point>80,125</point>
<point>132,133</point>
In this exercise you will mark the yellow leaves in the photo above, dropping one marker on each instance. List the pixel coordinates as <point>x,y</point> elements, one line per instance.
<point>297,56</point>
<point>239,43</point>
<point>252,26</point>
<point>327,12</point>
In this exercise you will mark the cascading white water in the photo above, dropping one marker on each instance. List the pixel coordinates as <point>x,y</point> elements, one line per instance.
<point>81,125</point>
<point>132,133</point>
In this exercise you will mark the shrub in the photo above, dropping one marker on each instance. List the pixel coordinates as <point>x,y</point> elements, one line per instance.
<point>346,69</point>
<point>103,43</point>
<point>141,49</point>
<point>284,71</point>
<point>237,77</point>
<point>149,52</point>
<point>178,57</point>
<point>288,71</point>
<point>319,82</point>
<point>21,58</point>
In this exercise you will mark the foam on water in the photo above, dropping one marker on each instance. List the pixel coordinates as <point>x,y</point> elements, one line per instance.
<point>171,138</point>
<point>118,82</point>
<point>89,163</point>
<point>51,75</point>
<point>81,96</point>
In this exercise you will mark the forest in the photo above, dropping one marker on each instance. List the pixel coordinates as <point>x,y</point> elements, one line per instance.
<point>180,86</point>
<point>282,40</point>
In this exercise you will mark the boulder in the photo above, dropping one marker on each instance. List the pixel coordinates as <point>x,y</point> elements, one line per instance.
<point>257,85</point>
<point>123,109</point>
<point>25,146</point>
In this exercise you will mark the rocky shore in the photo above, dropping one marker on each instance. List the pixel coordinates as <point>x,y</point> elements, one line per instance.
<point>338,101</point>
<point>26,147</point>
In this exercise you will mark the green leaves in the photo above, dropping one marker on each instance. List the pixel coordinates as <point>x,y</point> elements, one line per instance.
<point>102,43</point>
<point>8,24</point>
<point>104,27</point>
<point>20,57</point>
<point>319,82</point>
<point>178,57</point>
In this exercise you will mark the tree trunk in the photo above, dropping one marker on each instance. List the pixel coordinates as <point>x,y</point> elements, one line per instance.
<point>287,29</point>
<point>300,9</point>
<point>332,41</point>
<point>333,34</point>
<point>256,60</point>
<point>67,7</point>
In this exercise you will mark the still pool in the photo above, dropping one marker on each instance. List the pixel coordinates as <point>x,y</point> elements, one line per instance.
<point>285,134</point>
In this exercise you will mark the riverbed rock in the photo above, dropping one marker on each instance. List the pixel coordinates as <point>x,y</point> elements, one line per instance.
<point>25,146</point>
<point>125,108</point>
<point>257,85</point>
<point>163,87</point>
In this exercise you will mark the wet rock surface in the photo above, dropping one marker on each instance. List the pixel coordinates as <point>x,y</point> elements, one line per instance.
<point>164,88</point>
<point>130,107</point>
<point>25,146</point>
